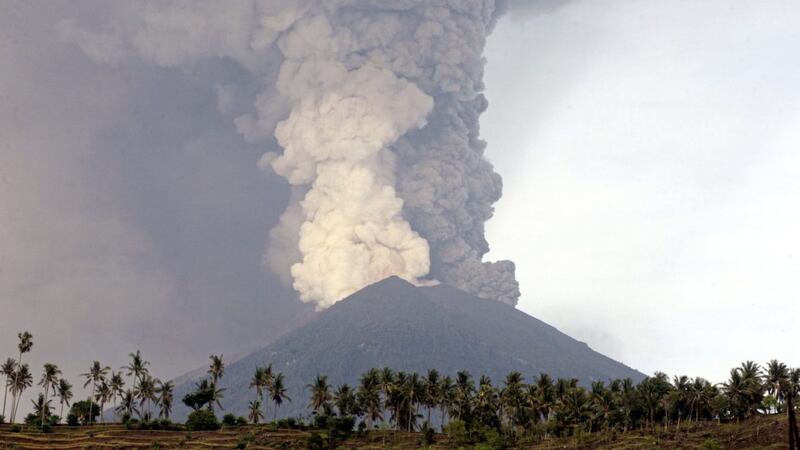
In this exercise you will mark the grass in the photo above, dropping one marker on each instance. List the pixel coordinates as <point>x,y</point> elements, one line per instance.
<point>761,433</point>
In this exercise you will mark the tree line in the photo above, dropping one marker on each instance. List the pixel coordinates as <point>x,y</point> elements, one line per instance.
<point>542,407</point>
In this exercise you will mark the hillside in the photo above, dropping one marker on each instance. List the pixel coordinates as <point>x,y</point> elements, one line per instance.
<point>395,324</point>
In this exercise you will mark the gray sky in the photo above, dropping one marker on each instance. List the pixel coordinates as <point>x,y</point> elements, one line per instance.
<point>651,184</point>
<point>651,170</point>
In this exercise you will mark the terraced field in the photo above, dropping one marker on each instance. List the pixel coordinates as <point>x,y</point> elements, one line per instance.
<point>761,433</point>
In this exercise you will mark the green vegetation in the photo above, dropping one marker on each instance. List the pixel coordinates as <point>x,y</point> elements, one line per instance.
<point>514,413</point>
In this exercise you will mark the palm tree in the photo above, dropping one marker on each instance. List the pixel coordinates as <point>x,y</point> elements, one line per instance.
<point>25,344</point>
<point>277,392</point>
<point>345,400</point>
<point>103,395</point>
<point>7,369</point>
<point>320,394</point>
<point>751,376</point>
<point>165,398</point>
<point>546,393</point>
<point>432,391</point>
<point>41,407</point>
<point>369,396</point>
<point>387,386</point>
<point>138,366</point>
<point>146,392</point>
<point>96,374</point>
<point>775,378</point>
<point>21,379</point>
<point>216,370</point>
<point>64,392</point>
<point>49,379</point>
<point>262,379</point>
<point>257,382</point>
<point>447,397</point>
<point>127,404</point>
<point>512,398</point>
<point>463,395</point>
<point>255,414</point>
<point>117,385</point>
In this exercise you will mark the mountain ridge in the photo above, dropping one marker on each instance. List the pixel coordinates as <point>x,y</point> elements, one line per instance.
<point>395,324</point>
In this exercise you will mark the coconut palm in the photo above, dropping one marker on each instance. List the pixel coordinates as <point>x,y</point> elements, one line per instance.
<point>21,379</point>
<point>277,392</point>
<point>49,380</point>
<point>117,385</point>
<point>165,393</point>
<point>25,344</point>
<point>775,378</point>
<point>255,414</point>
<point>262,379</point>
<point>320,394</point>
<point>216,370</point>
<point>137,367</point>
<point>345,400</point>
<point>432,391</point>
<point>146,394</point>
<point>64,393</point>
<point>95,375</point>
<point>257,382</point>
<point>102,396</point>
<point>369,396</point>
<point>41,407</point>
<point>127,404</point>
<point>7,369</point>
<point>447,397</point>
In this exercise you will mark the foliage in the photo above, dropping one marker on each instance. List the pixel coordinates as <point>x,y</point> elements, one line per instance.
<point>316,442</point>
<point>202,420</point>
<point>85,411</point>
<point>73,420</point>
<point>229,420</point>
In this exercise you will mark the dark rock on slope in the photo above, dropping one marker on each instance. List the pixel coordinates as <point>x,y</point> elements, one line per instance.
<point>395,324</point>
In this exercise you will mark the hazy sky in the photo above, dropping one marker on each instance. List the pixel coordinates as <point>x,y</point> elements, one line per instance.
<point>651,158</point>
<point>649,150</point>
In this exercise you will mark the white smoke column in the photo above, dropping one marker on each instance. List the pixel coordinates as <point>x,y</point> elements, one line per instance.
<point>378,104</point>
<point>335,141</point>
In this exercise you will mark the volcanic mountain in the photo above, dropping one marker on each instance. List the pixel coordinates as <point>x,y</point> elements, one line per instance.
<point>396,324</point>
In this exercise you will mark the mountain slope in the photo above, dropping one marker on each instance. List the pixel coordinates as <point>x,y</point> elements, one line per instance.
<point>395,324</point>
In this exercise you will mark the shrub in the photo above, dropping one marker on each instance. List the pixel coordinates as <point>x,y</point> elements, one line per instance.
<point>2,419</point>
<point>428,435</point>
<point>202,420</point>
<point>241,421</point>
<point>315,442</point>
<point>229,420</point>
<point>456,430</point>
<point>47,428</point>
<point>15,428</point>
<point>72,420</point>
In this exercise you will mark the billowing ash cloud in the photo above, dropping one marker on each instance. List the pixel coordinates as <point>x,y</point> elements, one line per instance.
<point>374,106</point>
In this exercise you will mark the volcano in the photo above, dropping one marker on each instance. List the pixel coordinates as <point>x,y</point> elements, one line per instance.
<point>395,324</point>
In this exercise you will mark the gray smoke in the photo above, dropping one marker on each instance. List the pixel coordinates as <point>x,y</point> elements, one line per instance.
<point>374,106</point>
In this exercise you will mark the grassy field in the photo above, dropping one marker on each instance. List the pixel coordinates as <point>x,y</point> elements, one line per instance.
<point>760,433</point>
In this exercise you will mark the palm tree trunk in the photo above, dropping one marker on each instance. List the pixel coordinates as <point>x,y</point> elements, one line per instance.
<point>41,421</point>
<point>91,404</point>
<point>275,415</point>
<point>5,395</point>
<point>61,414</point>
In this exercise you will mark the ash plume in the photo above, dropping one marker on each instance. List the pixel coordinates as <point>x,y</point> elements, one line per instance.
<point>375,107</point>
